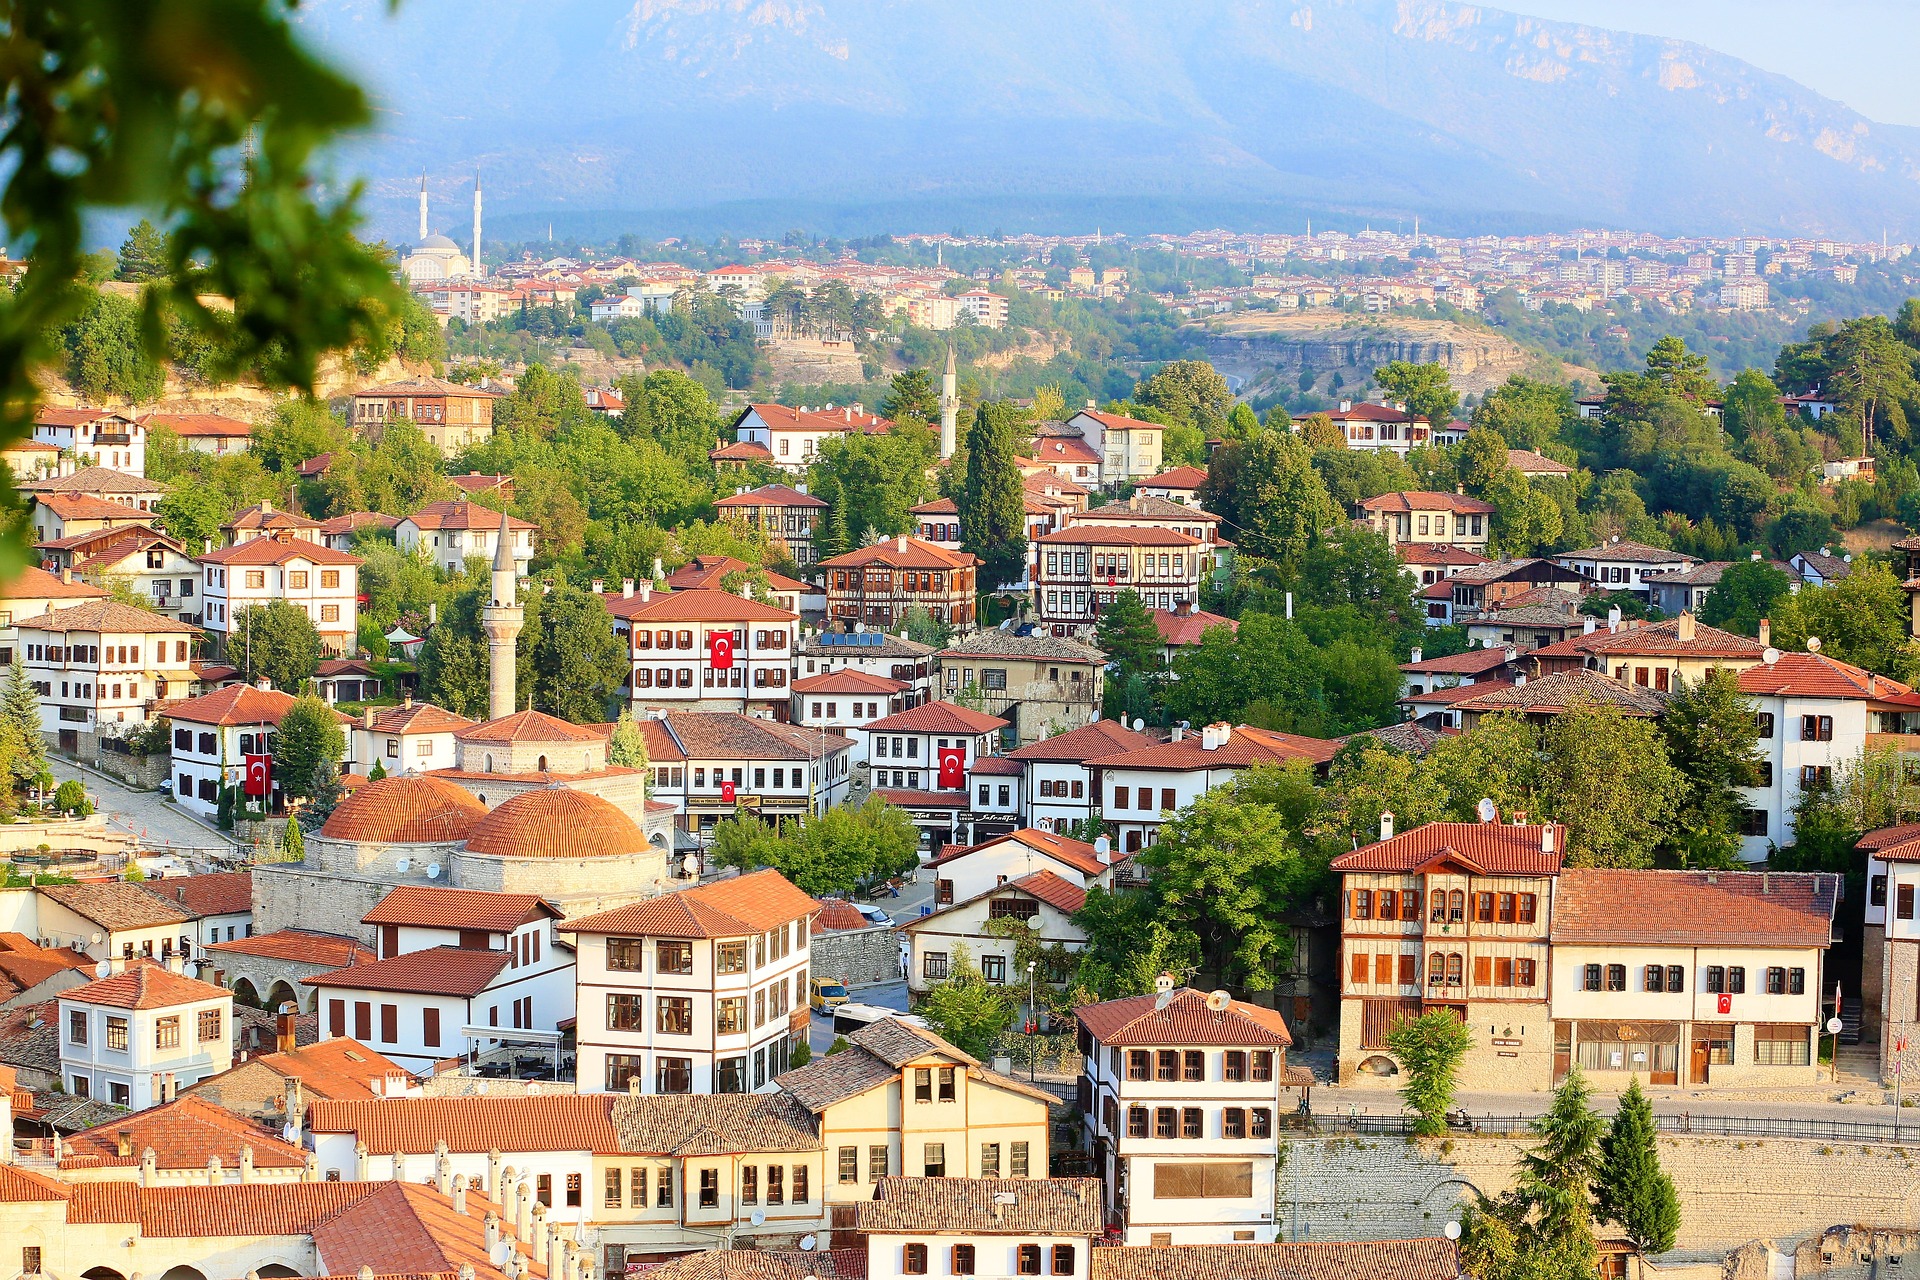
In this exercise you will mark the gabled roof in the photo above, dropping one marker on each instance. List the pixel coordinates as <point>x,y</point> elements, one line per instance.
<point>770,495</point>
<point>262,516</point>
<point>1452,695</point>
<point>729,735</point>
<point>1100,533</point>
<point>144,985</point>
<point>432,907</point>
<point>1009,644</point>
<point>30,582</point>
<point>1432,1259</point>
<point>115,904</point>
<point>412,1126</point>
<point>1117,421</point>
<point>1179,630</point>
<point>1492,848</point>
<point>1695,908</point>
<point>213,893</point>
<point>80,506</point>
<point>440,971</point>
<point>1437,553</point>
<point>301,946</point>
<point>108,617</point>
<point>1562,690</point>
<point>1471,663</point>
<point>235,704</point>
<point>1634,552</point>
<point>741,451</point>
<point>1176,478</point>
<point>708,571</point>
<point>184,1134</point>
<point>712,1124</point>
<point>937,717</point>
<point>1043,886</point>
<point>401,1231</point>
<point>419,717</point>
<point>1814,675</point>
<point>730,908</point>
<point>1101,738</point>
<point>429,387</point>
<point>1185,1019</point>
<point>357,520</point>
<point>338,1068</point>
<point>198,425</point>
<point>1077,854</point>
<point>95,479</point>
<point>1393,503</point>
<point>1247,746</point>
<point>1664,639</point>
<point>693,605</point>
<point>780,417</point>
<point>1527,462</point>
<point>460,513</point>
<point>272,550</point>
<point>848,680</point>
<point>984,1207</point>
<point>902,553</point>
<point>1145,506</point>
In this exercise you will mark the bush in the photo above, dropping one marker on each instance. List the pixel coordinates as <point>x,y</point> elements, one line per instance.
<point>72,798</point>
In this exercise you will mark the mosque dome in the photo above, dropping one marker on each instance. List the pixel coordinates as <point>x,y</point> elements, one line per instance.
<point>405,810</point>
<point>557,822</point>
<point>435,243</point>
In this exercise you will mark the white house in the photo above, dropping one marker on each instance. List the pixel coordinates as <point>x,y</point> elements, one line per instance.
<point>981,1226</point>
<point>1815,714</point>
<point>1181,1093</point>
<point>319,580</point>
<point>975,795</point>
<point>1177,484</point>
<point>215,733</point>
<point>846,699</point>
<point>219,902</point>
<point>151,564</point>
<point>454,530</point>
<point>1625,566</point>
<point>99,666</point>
<point>699,991</point>
<point>794,436</point>
<point>413,737</point>
<point>136,1036</point>
<point>874,653</point>
<point>1058,788</point>
<point>417,917</point>
<point>1042,901</point>
<point>111,919</point>
<point>709,764</point>
<point>965,872</point>
<point>96,437</point>
<point>1129,448</point>
<point>1144,787</point>
<point>677,639</point>
<point>203,432</point>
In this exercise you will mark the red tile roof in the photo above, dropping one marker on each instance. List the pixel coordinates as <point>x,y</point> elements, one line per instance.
<point>528,726</point>
<point>1450,695</point>
<point>260,516</point>
<point>1112,535</point>
<point>432,907</point>
<point>707,571</point>
<point>80,506</point>
<point>1563,690</point>
<point>902,553</point>
<point>1471,663</point>
<point>1414,500</point>
<point>184,1134</point>
<point>302,946</point>
<point>1246,747</point>
<point>556,822</point>
<point>1437,553</point>
<point>847,680</point>
<point>338,1068</point>
<point>1182,629</point>
<point>1893,844</point>
<point>217,893</point>
<point>235,704</point>
<point>421,717</point>
<point>115,904</point>
<point>836,914</point>
<point>1814,675</point>
<point>1049,888</point>
<point>441,971</point>
<point>1176,478</point>
<point>780,417</point>
<point>406,809</point>
<point>741,451</point>
<point>1077,854</point>
<point>401,1230</point>
<point>29,582</point>
<point>276,551</point>
<point>1633,552</point>
<point>413,1126</point>
<point>1694,908</point>
<point>1491,848</point>
<point>937,717</point>
<point>752,903</point>
<point>1657,638</point>
<point>1101,738</point>
<point>460,513</point>
<point>693,605</point>
<point>357,520</point>
<point>1186,1019</point>
<point>144,985</point>
<point>770,495</point>
<point>230,1209</point>
<point>108,617</point>
<point>907,798</point>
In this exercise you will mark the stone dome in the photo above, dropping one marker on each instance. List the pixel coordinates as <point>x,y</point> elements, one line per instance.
<point>406,810</point>
<point>557,822</point>
<point>436,241</point>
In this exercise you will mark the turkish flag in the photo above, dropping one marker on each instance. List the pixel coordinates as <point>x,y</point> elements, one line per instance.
<point>1726,1004</point>
<point>726,792</point>
<point>259,775</point>
<point>953,768</point>
<point>720,651</point>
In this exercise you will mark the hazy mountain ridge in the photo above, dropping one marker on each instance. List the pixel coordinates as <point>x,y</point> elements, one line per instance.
<point>1382,107</point>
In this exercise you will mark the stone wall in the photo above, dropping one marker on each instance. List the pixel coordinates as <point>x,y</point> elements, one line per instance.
<point>288,895</point>
<point>1873,977</point>
<point>1731,1190</point>
<point>1900,983</point>
<point>144,772</point>
<point>858,957</point>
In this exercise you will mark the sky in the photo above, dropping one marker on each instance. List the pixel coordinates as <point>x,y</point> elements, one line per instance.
<point>1859,52</point>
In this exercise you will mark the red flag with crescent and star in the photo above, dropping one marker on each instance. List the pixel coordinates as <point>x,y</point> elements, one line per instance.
<point>727,792</point>
<point>953,768</point>
<point>259,775</point>
<point>720,651</point>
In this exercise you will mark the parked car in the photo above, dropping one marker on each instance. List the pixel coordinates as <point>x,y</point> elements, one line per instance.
<point>873,914</point>
<point>824,993</point>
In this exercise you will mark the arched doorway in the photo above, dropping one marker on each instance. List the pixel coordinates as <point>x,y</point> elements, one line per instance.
<point>275,1271</point>
<point>281,993</point>
<point>101,1273</point>
<point>244,992</point>
<point>183,1272</point>
<point>542,766</point>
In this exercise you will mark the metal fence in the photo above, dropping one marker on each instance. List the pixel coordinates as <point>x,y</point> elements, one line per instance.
<point>1708,1126</point>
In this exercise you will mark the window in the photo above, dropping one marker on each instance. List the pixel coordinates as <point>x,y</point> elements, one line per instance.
<point>663,1190</point>
<point>750,1184</point>
<point>1816,728</point>
<point>1796,982</point>
<point>1137,1122</point>
<point>674,957</point>
<point>913,1257</point>
<point>1715,980</point>
<point>962,1260</point>
<point>1233,1123</point>
<point>1166,1122</point>
<point>1753,822</point>
<point>615,1194</point>
<point>1017,1161</point>
<point>1456,906</point>
<point>989,1159</point>
<point>1780,1045</point>
<point>1676,978</point>
<point>1655,978</point>
<point>30,1259</point>
<point>1233,1065</point>
<point>730,1075</point>
<point>946,1084</point>
<point>1167,1065</point>
<point>1263,1064</point>
<point>1590,977</point>
<point>1262,1126</point>
<point>637,1187</point>
<point>543,1189</point>
<point>1616,977</point>
<point>730,1015</point>
<point>1763,723</point>
<point>626,955</point>
<point>674,1015</point>
<point>1409,904</point>
<point>1193,1065</point>
<point>1362,904</point>
<point>923,1084</point>
<point>1192,1123</point>
<point>1736,980</point>
<point>1140,1063</point>
<point>76,1026</point>
<point>329,579</point>
<point>776,1184</point>
<point>574,1190</point>
<point>933,1159</point>
<point>673,1075</point>
<point>1526,906</point>
<point>994,969</point>
<point>877,1162</point>
<point>1194,1180</point>
<point>709,1188</point>
<point>1483,908</point>
<point>731,957</point>
<point>1776,980</point>
<point>1063,1259</point>
<point>625,1012</point>
<point>117,1034</point>
<point>934,964</point>
<point>1027,1260</point>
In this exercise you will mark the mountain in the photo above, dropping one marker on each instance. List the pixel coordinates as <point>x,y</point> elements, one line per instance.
<point>861,115</point>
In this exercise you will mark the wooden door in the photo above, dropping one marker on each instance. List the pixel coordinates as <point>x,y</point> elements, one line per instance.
<point>1698,1075</point>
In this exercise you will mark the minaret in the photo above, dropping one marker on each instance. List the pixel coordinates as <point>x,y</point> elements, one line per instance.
<point>949,409</point>
<point>479,272</point>
<point>423,206</point>
<point>502,620</point>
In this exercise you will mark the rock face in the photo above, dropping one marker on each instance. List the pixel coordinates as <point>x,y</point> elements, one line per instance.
<point>1261,348</point>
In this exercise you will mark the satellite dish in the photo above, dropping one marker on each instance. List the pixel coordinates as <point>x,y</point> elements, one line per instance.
<point>1007,625</point>
<point>690,865</point>
<point>1163,983</point>
<point>1218,1001</point>
<point>1453,1231</point>
<point>1102,845</point>
<point>1033,922</point>
<point>808,1243</point>
<point>1770,655</point>
<point>403,865</point>
<point>758,1219</point>
<point>1487,809</point>
<point>433,871</point>
<point>102,969</point>
<point>1138,724</point>
<point>98,938</point>
<point>1813,644</point>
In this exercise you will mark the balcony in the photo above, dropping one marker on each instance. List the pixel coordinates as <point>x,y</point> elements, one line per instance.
<point>1905,743</point>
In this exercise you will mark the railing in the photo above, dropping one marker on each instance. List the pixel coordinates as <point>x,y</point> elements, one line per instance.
<point>1807,1127</point>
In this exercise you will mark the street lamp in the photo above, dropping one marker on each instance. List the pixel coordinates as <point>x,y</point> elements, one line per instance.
<point>1033,1029</point>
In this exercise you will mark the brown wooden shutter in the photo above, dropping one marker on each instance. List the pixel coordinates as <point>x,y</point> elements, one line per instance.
<point>1482,971</point>
<point>389,1024</point>
<point>430,1027</point>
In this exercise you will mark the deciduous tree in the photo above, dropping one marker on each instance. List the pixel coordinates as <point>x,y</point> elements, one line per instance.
<point>308,748</point>
<point>1425,389</point>
<point>1713,743</point>
<point>577,660</point>
<point>276,640</point>
<point>1430,1048</point>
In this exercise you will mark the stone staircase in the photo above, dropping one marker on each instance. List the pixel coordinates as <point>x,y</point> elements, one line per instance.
<point>1859,1069</point>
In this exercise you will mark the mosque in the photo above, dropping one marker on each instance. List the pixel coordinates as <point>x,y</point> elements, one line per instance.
<point>437,257</point>
<point>532,805</point>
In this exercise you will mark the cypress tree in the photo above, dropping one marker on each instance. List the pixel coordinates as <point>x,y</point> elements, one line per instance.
<point>1630,1187</point>
<point>295,848</point>
<point>223,814</point>
<point>992,499</point>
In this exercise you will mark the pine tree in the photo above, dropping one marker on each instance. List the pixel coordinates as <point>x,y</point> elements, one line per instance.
<point>223,813</point>
<point>376,773</point>
<point>295,848</point>
<point>143,254</point>
<point>1556,1178</point>
<point>1128,637</point>
<point>1630,1187</point>
<point>21,708</point>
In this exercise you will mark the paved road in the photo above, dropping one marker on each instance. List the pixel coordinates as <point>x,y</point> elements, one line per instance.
<point>143,814</point>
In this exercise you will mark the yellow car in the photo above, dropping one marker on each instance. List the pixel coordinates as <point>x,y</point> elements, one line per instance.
<point>824,993</point>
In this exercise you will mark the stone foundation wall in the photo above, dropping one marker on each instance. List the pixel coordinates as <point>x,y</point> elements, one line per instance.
<point>1731,1190</point>
<point>144,772</point>
<point>858,957</point>
<point>289,896</point>
<point>1900,984</point>
<point>1512,1049</point>
<point>1873,978</point>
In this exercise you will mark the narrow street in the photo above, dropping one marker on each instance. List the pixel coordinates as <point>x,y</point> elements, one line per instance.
<point>146,815</point>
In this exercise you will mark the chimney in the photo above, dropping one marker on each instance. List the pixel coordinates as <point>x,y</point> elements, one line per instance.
<point>901,545</point>
<point>1215,736</point>
<point>1766,632</point>
<point>149,1168</point>
<point>1587,627</point>
<point>1179,733</point>
<point>283,1028</point>
<point>266,508</point>
<point>1754,556</point>
<point>659,570</point>
<point>1346,406</point>
<point>366,719</point>
<point>1684,629</point>
<point>1519,817</point>
<point>646,591</point>
<point>626,588</point>
<point>459,1194</point>
<point>1613,619</point>
<point>296,1109</point>
<point>599,586</point>
<point>1386,824</point>
<point>493,1233</point>
<point>492,1187</point>
<point>66,575</point>
<point>215,1174</point>
<point>1546,837</point>
<point>1519,680</point>
<point>1512,654</point>
<point>246,1164</point>
<point>1414,657</point>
